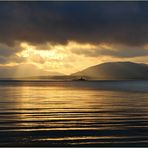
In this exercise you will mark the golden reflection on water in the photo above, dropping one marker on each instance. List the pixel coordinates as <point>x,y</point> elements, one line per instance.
<point>55,104</point>
<point>61,107</point>
<point>55,98</point>
<point>73,114</point>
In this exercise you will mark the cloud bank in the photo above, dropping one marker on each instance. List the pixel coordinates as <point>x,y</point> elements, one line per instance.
<point>59,22</point>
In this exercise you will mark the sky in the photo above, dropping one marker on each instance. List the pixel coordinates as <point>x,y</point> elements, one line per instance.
<point>43,38</point>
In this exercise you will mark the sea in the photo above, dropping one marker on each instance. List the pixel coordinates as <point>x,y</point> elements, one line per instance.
<point>73,113</point>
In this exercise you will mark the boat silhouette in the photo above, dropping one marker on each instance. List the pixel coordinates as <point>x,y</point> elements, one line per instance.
<point>80,79</point>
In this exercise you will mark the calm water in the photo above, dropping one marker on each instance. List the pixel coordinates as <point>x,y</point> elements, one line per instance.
<point>111,113</point>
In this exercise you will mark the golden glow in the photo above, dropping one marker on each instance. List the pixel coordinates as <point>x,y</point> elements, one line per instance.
<point>105,46</point>
<point>30,51</point>
<point>71,57</point>
<point>80,46</point>
<point>67,58</point>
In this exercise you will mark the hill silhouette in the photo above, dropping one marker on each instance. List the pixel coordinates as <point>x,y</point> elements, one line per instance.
<point>115,70</point>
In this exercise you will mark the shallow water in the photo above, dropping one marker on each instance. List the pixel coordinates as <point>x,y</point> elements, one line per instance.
<point>97,113</point>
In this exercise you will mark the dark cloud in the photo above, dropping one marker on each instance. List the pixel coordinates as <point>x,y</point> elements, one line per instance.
<point>113,51</point>
<point>11,59</point>
<point>125,52</point>
<point>8,54</point>
<point>59,22</point>
<point>7,51</point>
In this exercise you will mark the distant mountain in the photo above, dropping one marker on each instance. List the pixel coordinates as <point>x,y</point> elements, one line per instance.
<point>115,70</point>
